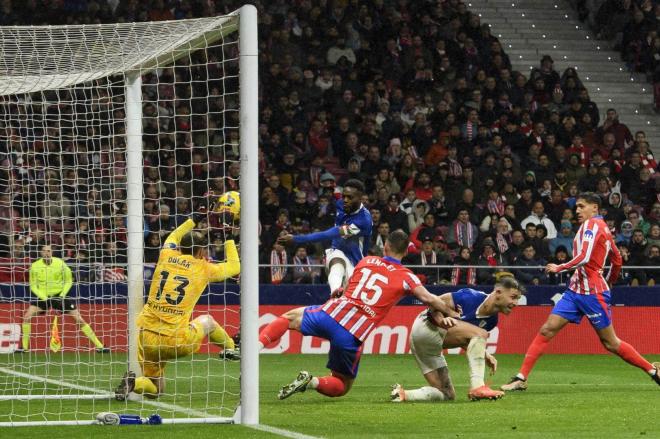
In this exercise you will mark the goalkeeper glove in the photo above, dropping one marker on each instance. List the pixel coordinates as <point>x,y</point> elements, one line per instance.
<point>207,206</point>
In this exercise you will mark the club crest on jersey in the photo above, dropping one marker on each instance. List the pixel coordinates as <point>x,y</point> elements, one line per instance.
<point>588,234</point>
<point>482,323</point>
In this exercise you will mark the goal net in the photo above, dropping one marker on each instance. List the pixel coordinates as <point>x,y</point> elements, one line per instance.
<point>110,137</point>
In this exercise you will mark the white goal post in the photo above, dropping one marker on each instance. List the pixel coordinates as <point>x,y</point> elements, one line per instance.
<point>81,69</point>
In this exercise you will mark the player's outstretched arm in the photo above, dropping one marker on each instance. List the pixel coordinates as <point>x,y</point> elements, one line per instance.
<point>588,240</point>
<point>326,235</point>
<point>433,301</point>
<point>174,238</point>
<point>230,268</point>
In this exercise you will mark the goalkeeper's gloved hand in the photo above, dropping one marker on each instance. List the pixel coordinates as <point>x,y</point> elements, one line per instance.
<point>209,205</point>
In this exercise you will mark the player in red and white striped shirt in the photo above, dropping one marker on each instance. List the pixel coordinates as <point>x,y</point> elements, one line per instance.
<point>377,284</point>
<point>587,294</point>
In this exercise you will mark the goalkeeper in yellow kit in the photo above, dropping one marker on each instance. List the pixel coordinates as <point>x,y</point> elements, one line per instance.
<point>165,329</point>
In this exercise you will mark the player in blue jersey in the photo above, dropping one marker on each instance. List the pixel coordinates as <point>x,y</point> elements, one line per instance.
<point>479,312</point>
<point>350,237</point>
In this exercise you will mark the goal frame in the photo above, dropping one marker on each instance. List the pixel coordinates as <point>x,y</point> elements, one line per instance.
<point>247,411</point>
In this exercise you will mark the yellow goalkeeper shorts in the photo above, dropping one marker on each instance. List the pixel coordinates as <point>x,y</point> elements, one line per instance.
<point>155,350</point>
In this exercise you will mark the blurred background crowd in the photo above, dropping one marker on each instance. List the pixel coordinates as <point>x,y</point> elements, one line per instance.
<point>479,163</point>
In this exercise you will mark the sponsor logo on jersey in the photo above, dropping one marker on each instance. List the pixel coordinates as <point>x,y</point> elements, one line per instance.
<point>588,234</point>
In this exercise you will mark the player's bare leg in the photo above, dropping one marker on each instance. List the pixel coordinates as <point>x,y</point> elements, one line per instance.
<point>627,353</point>
<point>473,340</point>
<point>88,331</point>
<point>550,328</point>
<point>218,336</point>
<point>273,331</point>
<point>336,277</point>
<point>26,327</point>
<point>440,388</point>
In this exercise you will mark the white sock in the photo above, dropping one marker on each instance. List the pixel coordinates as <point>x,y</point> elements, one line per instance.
<point>313,383</point>
<point>476,355</point>
<point>521,376</point>
<point>336,276</point>
<point>426,393</point>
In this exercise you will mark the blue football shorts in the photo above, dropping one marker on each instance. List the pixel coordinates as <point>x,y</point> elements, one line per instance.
<point>596,307</point>
<point>345,349</point>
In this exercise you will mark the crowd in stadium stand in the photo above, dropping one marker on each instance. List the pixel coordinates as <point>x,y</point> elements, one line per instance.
<point>632,27</point>
<point>479,163</point>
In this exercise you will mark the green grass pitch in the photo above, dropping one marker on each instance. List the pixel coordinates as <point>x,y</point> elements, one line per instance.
<point>569,396</point>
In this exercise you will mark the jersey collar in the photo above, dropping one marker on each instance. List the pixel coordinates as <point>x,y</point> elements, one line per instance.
<point>392,260</point>
<point>357,210</point>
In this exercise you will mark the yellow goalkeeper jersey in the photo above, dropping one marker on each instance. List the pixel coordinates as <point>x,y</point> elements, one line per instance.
<point>179,281</point>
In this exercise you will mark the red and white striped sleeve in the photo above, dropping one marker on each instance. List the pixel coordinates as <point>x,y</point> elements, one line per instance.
<point>589,232</point>
<point>616,262</point>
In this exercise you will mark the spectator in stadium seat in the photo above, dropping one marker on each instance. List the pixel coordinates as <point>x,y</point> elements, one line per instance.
<point>465,273</point>
<point>394,215</point>
<point>378,239</point>
<point>623,136</point>
<point>489,259</point>
<point>556,205</point>
<point>560,257</point>
<point>564,238</point>
<point>303,272</point>
<point>643,191</point>
<point>653,237</point>
<point>538,216</point>
<point>625,235</point>
<point>152,248</point>
<point>653,260</point>
<point>547,72</point>
<point>462,233</point>
<point>421,183</point>
<point>533,273</point>
<point>638,221</point>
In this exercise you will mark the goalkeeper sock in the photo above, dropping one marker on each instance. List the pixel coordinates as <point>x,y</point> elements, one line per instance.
<point>273,331</point>
<point>144,386</point>
<point>476,356</point>
<point>328,385</point>
<point>630,355</point>
<point>87,330</point>
<point>534,351</point>
<point>221,339</point>
<point>426,393</point>
<point>336,276</point>
<point>27,330</point>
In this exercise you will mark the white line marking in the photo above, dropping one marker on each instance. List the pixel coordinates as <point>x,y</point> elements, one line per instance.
<point>281,432</point>
<point>173,407</point>
<point>56,382</point>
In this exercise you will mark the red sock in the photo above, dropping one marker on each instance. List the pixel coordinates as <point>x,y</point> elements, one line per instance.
<point>630,355</point>
<point>274,331</point>
<point>534,351</point>
<point>331,386</point>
